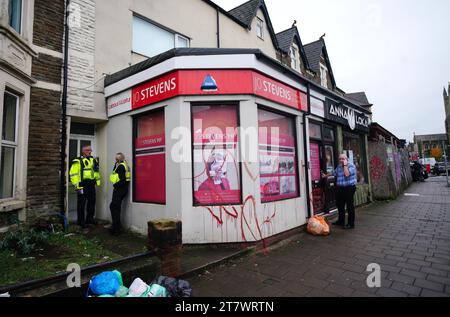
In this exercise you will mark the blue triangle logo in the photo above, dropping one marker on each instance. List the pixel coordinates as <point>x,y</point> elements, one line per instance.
<point>209,84</point>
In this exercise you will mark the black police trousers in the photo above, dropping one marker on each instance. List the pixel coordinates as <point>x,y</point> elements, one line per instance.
<point>88,196</point>
<point>116,206</point>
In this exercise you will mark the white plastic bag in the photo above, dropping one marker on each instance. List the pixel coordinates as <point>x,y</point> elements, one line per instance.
<point>138,288</point>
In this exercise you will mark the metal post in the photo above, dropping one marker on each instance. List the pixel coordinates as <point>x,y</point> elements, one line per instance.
<point>444,147</point>
<point>446,167</point>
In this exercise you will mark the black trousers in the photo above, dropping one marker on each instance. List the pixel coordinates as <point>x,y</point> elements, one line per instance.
<point>116,206</point>
<point>88,197</point>
<point>345,196</point>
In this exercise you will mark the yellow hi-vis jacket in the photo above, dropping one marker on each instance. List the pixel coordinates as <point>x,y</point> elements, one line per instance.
<point>114,178</point>
<point>84,169</point>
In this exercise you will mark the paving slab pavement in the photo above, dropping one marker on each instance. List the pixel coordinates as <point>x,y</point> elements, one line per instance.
<point>409,238</point>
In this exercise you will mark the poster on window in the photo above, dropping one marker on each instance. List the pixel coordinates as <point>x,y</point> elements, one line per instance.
<point>150,159</point>
<point>216,178</point>
<point>278,167</point>
<point>315,161</point>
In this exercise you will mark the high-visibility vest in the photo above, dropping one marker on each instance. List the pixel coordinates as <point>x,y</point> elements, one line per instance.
<point>114,178</point>
<point>84,169</point>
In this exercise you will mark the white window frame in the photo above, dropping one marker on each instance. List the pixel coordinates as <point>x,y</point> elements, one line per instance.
<point>260,28</point>
<point>11,144</point>
<point>294,58</point>
<point>177,37</point>
<point>21,17</point>
<point>323,75</point>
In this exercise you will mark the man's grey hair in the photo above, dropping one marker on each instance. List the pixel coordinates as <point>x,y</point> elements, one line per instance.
<point>343,155</point>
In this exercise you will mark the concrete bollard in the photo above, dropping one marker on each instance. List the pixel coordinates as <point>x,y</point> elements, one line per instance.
<point>166,240</point>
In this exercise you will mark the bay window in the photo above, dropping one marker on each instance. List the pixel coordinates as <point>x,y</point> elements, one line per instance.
<point>15,15</point>
<point>8,145</point>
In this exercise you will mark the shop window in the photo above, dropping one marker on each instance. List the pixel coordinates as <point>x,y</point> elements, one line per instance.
<point>355,150</point>
<point>277,157</point>
<point>329,159</point>
<point>8,145</point>
<point>216,168</point>
<point>260,28</point>
<point>150,158</point>
<point>328,134</point>
<point>315,131</point>
<point>15,15</point>
<point>150,39</point>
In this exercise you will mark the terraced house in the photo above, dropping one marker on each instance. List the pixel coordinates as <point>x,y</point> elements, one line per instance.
<point>136,72</point>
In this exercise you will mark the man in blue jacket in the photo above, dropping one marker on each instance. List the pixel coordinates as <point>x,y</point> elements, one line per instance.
<point>346,180</point>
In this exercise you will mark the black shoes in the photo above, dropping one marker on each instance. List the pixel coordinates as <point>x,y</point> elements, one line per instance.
<point>348,227</point>
<point>338,223</point>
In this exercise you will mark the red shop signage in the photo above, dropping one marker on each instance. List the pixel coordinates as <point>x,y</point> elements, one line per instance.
<point>229,82</point>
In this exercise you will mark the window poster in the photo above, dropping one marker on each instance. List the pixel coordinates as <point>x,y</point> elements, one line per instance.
<point>329,157</point>
<point>277,152</point>
<point>216,178</point>
<point>315,162</point>
<point>150,159</point>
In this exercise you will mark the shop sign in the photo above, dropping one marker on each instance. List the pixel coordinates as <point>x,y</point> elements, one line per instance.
<point>206,82</point>
<point>340,113</point>
<point>119,103</point>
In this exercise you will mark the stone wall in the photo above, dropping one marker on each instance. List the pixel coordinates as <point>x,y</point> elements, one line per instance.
<point>389,170</point>
<point>82,77</point>
<point>44,144</point>
<point>44,148</point>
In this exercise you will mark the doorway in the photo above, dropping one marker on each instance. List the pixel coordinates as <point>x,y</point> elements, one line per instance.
<point>76,144</point>
<point>322,158</point>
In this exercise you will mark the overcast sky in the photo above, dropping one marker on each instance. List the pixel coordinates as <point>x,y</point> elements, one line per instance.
<point>398,52</point>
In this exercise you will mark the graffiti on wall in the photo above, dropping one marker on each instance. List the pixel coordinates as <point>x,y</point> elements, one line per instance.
<point>397,168</point>
<point>377,168</point>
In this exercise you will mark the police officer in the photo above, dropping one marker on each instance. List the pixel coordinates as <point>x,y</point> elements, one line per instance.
<point>120,178</point>
<point>85,175</point>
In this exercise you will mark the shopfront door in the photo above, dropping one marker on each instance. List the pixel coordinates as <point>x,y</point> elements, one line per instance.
<point>316,178</point>
<point>322,156</point>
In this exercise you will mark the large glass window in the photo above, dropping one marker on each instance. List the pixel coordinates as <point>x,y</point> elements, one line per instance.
<point>355,150</point>
<point>8,145</point>
<point>150,158</point>
<point>277,157</point>
<point>15,15</point>
<point>216,178</point>
<point>315,131</point>
<point>150,40</point>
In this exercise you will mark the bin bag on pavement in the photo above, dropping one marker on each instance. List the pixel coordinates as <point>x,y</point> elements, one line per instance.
<point>106,283</point>
<point>318,226</point>
<point>174,287</point>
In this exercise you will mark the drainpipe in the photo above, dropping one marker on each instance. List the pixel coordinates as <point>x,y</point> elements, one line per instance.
<point>63,117</point>
<point>305,144</point>
<point>218,28</point>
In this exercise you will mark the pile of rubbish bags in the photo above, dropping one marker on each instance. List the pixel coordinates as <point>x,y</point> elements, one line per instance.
<point>110,284</point>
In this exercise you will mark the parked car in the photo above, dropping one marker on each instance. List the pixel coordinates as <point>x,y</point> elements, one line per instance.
<point>428,163</point>
<point>439,168</point>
